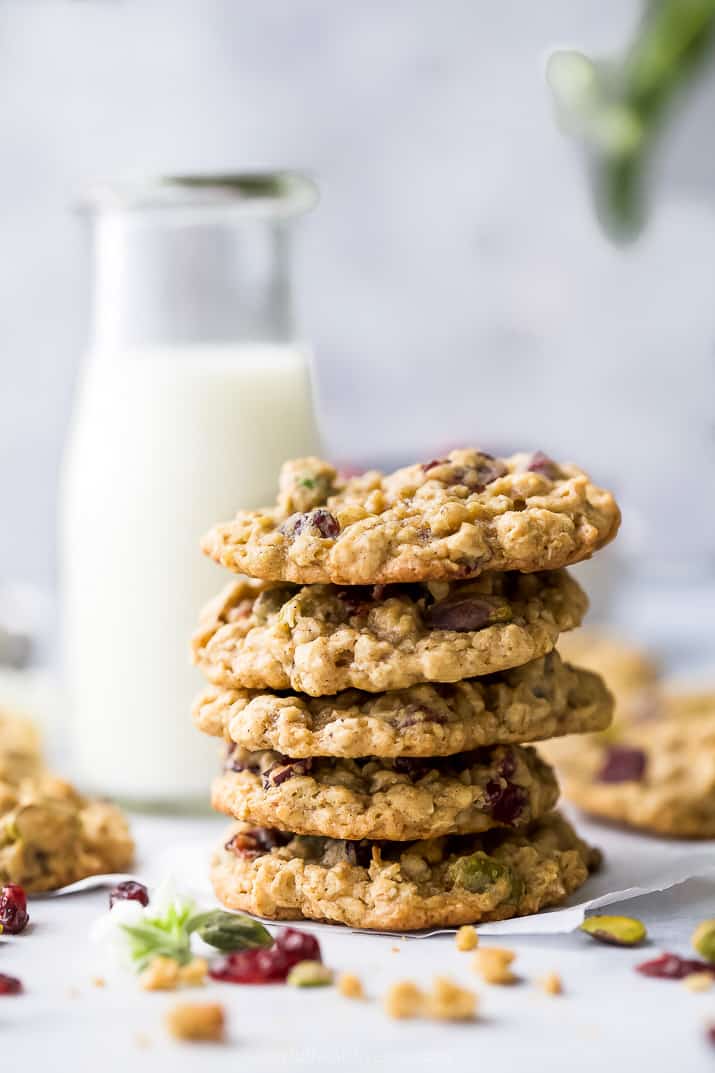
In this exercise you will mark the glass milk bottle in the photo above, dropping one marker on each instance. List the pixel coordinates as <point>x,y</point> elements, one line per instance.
<point>193,392</point>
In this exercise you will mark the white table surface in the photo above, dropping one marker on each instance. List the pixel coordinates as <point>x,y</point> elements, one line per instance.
<point>610,1017</point>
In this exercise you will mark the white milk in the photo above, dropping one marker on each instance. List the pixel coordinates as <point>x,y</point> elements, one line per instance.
<point>166,441</point>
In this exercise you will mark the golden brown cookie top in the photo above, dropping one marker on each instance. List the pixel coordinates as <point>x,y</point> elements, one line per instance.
<point>453,517</point>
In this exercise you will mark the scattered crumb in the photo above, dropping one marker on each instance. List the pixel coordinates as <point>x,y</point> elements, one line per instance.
<point>551,984</point>
<point>99,981</point>
<point>395,949</point>
<point>161,974</point>
<point>449,1002</point>
<point>350,986</point>
<point>142,1040</point>
<point>194,974</point>
<point>203,1021</point>
<point>467,938</point>
<point>698,981</point>
<point>492,963</point>
<point>403,1000</point>
<point>445,1002</point>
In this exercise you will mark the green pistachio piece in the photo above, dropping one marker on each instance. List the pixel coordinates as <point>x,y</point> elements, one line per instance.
<point>230,931</point>
<point>704,940</point>
<point>478,872</point>
<point>310,974</point>
<point>617,931</point>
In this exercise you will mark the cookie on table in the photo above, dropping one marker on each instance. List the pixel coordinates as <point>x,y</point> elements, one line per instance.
<point>542,699</point>
<point>452,517</point>
<point>397,799</point>
<point>655,772</point>
<point>50,835</point>
<point>321,639</point>
<point>630,673</point>
<point>402,886</point>
<point>20,748</point>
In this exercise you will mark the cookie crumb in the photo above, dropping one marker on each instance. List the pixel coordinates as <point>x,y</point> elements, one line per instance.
<point>395,949</point>
<point>194,974</point>
<point>350,985</point>
<point>466,938</point>
<point>449,1002</point>
<point>99,981</point>
<point>698,981</point>
<point>161,974</point>
<point>198,1021</point>
<point>551,984</point>
<point>403,1000</point>
<point>492,963</point>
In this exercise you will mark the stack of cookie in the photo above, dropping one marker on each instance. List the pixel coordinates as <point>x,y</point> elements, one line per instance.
<point>376,678</point>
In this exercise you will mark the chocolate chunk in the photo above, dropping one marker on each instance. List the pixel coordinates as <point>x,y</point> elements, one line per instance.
<point>464,613</point>
<point>622,763</point>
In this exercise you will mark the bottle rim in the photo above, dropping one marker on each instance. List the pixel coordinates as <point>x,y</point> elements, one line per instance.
<point>254,193</point>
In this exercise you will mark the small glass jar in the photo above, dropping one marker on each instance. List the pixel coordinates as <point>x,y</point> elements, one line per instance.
<point>194,390</point>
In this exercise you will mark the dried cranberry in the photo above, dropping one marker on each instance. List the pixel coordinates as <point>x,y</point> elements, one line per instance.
<point>465,613</point>
<point>269,966</point>
<point>412,766</point>
<point>622,763</point>
<point>710,1034</point>
<point>257,840</point>
<point>541,463</point>
<point>9,985</point>
<point>416,714</point>
<point>13,909</point>
<point>356,598</point>
<point>673,967</point>
<point>427,466</point>
<point>129,891</point>
<point>322,520</point>
<point>506,803</point>
<point>285,769</point>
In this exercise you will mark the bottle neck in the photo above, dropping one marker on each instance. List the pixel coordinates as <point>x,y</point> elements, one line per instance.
<point>165,278</point>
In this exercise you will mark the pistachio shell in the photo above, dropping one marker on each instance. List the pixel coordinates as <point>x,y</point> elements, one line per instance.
<point>703,940</point>
<point>617,931</point>
<point>310,974</point>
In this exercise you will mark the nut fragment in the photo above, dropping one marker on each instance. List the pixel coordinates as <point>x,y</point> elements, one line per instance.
<point>310,974</point>
<point>616,931</point>
<point>200,1021</point>
<point>467,938</point>
<point>161,974</point>
<point>404,999</point>
<point>350,986</point>
<point>551,984</point>
<point>703,940</point>
<point>194,974</point>
<point>492,963</point>
<point>698,981</point>
<point>449,1002</point>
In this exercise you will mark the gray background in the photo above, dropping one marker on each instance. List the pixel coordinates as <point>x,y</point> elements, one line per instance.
<point>453,280</point>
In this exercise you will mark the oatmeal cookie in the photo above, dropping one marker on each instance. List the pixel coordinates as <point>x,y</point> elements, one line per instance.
<point>50,835</point>
<point>453,517</point>
<point>630,673</point>
<point>655,771</point>
<point>20,748</point>
<point>402,886</point>
<point>542,699</point>
<point>320,639</point>
<point>398,799</point>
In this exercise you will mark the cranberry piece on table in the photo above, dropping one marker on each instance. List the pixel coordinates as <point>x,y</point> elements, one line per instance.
<point>673,967</point>
<point>9,985</point>
<point>622,763</point>
<point>13,909</point>
<point>129,891</point>
<point>270,966</point>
